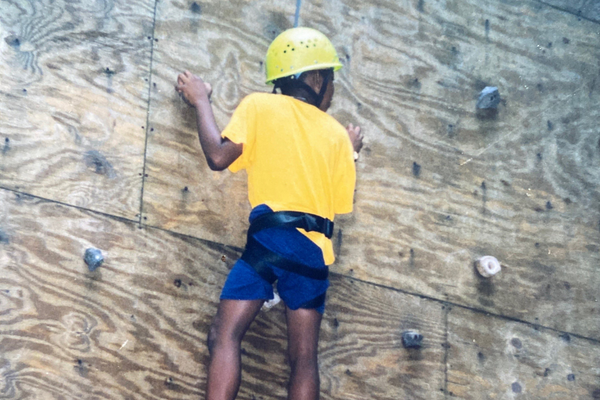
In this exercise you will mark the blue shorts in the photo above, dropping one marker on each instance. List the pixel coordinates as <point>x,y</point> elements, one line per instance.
<point>244,283</point>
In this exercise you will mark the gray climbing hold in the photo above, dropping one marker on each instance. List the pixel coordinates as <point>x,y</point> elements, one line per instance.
<point>93,258</point>
<point>412,340</point>
<point>488,98</point>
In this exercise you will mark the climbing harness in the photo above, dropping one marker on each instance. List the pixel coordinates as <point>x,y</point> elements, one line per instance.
<point>261,258</point>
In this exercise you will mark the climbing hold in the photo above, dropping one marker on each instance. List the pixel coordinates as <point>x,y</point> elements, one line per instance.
<point>488,98</point>
<point>488,266</point>
<point>93,258</point>
<point>12,40</point>
<point>271,303</point>
<point>412,340</point>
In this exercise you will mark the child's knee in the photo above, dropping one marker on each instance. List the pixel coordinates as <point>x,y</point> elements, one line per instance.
<point>303,355</point>
<point>217,336</point>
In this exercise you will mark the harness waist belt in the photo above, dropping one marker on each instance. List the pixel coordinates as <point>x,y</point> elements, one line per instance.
<point>292,219</point>
<point>259,257</point>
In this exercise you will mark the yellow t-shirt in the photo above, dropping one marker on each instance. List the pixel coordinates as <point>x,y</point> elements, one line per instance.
<point>297,157</point>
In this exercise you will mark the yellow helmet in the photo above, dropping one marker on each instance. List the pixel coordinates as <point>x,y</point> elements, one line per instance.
<point>299,50</point>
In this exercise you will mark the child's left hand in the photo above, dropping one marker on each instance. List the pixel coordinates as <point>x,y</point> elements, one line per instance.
<point>356,137</point>
<point>193,88</point>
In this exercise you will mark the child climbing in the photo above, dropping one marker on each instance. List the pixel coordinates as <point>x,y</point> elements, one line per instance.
<point>300,166</point>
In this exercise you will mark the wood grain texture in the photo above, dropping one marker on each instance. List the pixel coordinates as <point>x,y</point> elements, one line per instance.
<point>361,352</point>
<point>224,42</point>
<point>135,328</point>
<point>439,183</point>
<point>73,100</point>
<point>492,358</point>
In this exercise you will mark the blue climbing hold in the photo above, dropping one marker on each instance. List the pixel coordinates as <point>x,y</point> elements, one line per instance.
<point>93,258</point>
<point>488,98</point>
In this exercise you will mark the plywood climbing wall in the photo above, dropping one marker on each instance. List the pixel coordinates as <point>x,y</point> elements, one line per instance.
<point>98,150</point>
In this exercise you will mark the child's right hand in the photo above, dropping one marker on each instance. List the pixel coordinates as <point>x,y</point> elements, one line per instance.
<point>356,137</point>
<point>193,88</point>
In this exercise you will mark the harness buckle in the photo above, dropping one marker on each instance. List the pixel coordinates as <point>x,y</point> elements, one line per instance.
<point>328,229</point>
<point>319,224</point>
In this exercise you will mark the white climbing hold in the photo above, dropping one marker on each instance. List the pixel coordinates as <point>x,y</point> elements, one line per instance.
<point>488,266</point>
<point>271,303</point>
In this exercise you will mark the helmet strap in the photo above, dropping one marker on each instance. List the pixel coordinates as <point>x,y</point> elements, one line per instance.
<point>315,98</point>
<point>321,94</point>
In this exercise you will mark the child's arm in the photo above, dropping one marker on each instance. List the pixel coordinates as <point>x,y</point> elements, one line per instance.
<point>219,152</point>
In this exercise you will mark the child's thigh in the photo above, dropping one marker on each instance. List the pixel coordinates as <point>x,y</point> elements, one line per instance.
<point>303,332</point>
<point>234,317</point>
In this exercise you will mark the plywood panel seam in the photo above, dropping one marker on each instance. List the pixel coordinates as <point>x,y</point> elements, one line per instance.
<point>88,210</point>
<point>446,309</point>
<point>450,304</point>
<point>237,249</point>
<point>148,111</point>
<point>569,12</point>
<point>190,237</point>
<point>130,221</point>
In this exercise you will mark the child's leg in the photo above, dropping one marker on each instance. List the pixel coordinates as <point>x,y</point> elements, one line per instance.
<point>303,339</point>
<point>226,332</point>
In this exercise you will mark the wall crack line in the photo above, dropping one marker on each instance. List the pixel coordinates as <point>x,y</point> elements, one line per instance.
<point>152,40</point>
